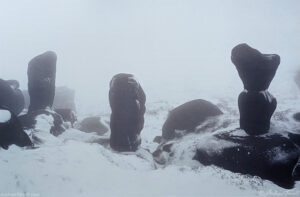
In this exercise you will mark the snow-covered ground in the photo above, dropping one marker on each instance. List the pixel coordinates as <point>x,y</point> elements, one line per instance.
<point>82,164</point>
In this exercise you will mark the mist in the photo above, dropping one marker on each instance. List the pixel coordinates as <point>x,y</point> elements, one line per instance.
<point>174,47</point>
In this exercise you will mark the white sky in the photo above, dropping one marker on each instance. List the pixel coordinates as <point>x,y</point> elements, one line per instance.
<point>168,44</point>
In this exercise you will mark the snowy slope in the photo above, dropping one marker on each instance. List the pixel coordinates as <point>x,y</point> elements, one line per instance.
<point>82,164</point>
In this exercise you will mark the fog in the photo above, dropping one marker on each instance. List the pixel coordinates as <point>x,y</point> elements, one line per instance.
<point>173,47</point>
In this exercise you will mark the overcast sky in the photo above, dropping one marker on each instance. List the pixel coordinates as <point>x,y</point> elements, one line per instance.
<point>168,44</point>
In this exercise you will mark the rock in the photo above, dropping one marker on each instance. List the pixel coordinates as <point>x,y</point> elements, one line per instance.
<point>256,110</point>
<point>127,101</point>
<point>270,157</point>
<point>296,171</point>
<point>158,139</point>
<point>57,126</point>
<point>41,81</point>
<point>68,115</point>
<point>93,124</point>
<point>188,116</point>
<point>255,69</point>
<point>11,97</point>
<point>256,104</point>
<point>11,131</point>
<point>297,116</point>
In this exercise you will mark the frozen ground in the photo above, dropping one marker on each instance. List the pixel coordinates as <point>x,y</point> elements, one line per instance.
<point>82,164</point>
<point>75,164</point>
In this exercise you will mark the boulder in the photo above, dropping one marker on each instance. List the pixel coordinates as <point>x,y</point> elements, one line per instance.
<point>93,124</point>
<point>11,96</point>
<point>57,125</point>
<point>11,131</point>
<point>188,116</point>
<point>271,157</point>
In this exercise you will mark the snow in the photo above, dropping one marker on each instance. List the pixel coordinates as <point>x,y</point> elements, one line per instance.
<point>5,115</point>
<point>82,164</point>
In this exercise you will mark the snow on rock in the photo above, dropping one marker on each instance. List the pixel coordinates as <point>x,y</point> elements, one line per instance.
<point>82,164</point>
<point>5,115</point>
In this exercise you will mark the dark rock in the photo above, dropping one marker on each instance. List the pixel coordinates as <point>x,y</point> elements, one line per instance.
<point>296,171</point>
<point>68,115</point>
<point>270,157</point>
<point>256,109</point>
<point>255,69</point>
<point>11,97</point>
<point>11,131</point>
<point>158,139</point>
<point>127,101</point>
<point>256,104</point>
<point>29,120</point>
<point>188,116</point>
<point>41,81</point>
<point>93,124</point>
<point>297,116</point>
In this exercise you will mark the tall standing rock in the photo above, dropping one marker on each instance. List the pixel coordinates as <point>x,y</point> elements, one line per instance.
<point>41,80</point>
<point>127,101</point>
<point>256,104</point>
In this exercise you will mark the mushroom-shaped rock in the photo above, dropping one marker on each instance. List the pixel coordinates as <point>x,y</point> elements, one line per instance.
<point>255,69</point>
<point>256,104</point>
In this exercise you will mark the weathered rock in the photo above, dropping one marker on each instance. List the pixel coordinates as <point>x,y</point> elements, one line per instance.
<point>93,124</point>
<point>188,116</point>
<point>127,101</point>
<point>29,120</point>
<point>11,131</point>
<point>256,104</point>
<point>68,115</point>
<point>256,109</point>
<point>41,81</point>
<point>296,171</point>
<point>270,157</point>
<point>297,116</point>
<point>11,97</point>
<point>255,69</point>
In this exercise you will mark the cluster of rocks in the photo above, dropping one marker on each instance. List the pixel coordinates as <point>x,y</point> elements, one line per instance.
<point>257,152</point>
<point>270,156</point>
<point>41,93</point>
